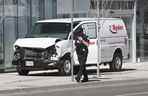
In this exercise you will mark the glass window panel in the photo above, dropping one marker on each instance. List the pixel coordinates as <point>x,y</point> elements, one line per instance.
<point>10,29</point>
<point>50,7</point>
<point>10,8</point>
<point>35,8</point>
<point>142,31</point>
<point>23,17</point>
<point>9,39</point>
<point>90,30</point>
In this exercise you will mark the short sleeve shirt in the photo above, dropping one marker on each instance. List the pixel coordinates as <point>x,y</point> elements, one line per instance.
<point>80,47</point>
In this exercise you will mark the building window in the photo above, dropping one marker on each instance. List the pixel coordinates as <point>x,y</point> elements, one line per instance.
<point>93,4</point>
<point>110,4</point>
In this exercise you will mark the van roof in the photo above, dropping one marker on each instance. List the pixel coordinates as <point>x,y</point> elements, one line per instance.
<point>68,20</point>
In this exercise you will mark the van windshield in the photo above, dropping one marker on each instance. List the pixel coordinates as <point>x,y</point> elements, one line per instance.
<point>55,30</point>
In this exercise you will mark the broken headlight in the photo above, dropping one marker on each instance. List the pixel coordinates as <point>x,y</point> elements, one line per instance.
<point>17,56</point>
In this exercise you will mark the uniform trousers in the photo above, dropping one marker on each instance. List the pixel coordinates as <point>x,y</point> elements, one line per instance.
<point>82,57</point>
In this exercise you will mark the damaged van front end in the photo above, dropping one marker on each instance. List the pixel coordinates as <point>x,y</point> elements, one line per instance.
<point>41,49</point>
<point>35,58</point>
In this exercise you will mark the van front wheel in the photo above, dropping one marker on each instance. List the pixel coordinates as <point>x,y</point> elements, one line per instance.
<point>116,63</point>
<point>65,68</point>
<point>22,72</point>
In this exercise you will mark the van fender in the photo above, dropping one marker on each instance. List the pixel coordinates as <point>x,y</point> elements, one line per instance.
<point>63,47</point>
<point>117,50</point>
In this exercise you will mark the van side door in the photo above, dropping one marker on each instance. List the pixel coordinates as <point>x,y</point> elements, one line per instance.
<point>91,31</point>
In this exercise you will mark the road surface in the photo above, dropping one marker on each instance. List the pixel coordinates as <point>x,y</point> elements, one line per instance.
<point>137,87</point>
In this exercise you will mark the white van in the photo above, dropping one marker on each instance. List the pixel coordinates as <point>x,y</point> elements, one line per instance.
<point>49,45</point>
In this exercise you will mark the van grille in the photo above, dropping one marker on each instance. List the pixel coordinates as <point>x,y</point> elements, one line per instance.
<point>32,53</point>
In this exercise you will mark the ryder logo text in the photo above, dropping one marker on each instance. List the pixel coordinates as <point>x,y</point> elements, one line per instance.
<point>115,28</point>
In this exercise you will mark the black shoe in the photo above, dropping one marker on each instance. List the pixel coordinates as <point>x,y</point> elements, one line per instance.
<point>77,79</point>
<point>84,80</point>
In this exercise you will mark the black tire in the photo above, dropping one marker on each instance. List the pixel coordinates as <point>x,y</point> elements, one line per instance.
<point>116,64</point>
<point>22,71</point>
<point>65,68</point>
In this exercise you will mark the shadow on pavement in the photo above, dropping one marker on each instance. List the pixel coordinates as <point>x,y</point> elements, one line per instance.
<point>106,71</point>
<point>46,74</point>
<point>90,72</point>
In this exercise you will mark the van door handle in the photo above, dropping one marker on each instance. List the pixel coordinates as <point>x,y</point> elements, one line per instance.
<point>125,40</point>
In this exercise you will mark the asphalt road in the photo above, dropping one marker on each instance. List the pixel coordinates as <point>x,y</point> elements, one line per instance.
<point>137,87</point>
<point>131,81</point>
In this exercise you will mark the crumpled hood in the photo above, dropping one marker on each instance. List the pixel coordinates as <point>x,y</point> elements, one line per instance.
<point>35,42</point>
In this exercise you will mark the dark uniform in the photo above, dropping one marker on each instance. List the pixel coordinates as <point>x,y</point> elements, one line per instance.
<point>82,51</point>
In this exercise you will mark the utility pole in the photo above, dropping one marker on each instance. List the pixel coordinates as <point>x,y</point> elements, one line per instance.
<point>134,34</point>
<point>72,52</point>
<point>98,40</point>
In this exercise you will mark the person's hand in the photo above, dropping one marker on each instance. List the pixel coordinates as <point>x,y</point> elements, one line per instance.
<point>80,38</point>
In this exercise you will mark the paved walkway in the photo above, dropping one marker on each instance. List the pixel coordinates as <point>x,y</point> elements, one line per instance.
<point>10,81</point>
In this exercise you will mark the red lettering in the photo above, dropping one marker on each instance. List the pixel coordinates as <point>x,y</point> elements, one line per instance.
<point>116,28</point>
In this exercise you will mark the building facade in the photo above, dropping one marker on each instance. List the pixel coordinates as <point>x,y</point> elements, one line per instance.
<point>18,16</point>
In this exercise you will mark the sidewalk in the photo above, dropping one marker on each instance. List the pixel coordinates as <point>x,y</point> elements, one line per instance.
<point>11,81</point>
<point>130,71</point>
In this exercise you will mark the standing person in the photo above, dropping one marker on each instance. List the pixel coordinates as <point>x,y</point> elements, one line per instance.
<point>81,43</point>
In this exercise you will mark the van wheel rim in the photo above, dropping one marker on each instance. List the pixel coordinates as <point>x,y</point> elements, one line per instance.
<point>67,66</point>
<point>118,63</point>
